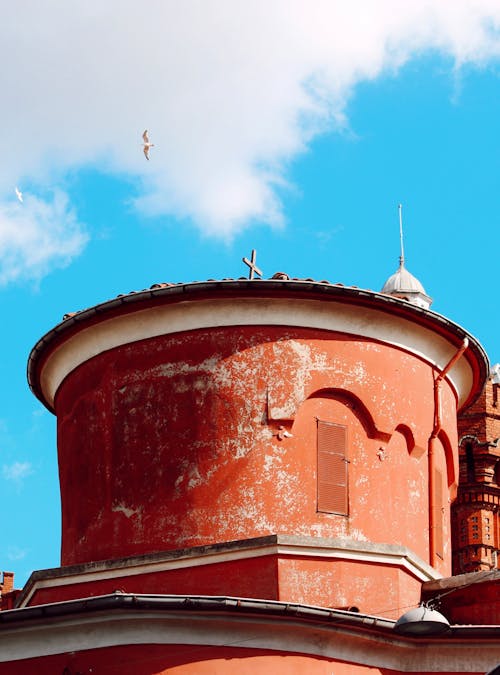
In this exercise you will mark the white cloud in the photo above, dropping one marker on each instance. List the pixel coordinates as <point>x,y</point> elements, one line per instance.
<point>17,471</point>
<point>14,553</point>
<point>36,236</point>
<point>231,91</point>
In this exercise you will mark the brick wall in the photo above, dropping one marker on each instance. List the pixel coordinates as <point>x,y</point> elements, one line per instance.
<point>8,593</point>
<point>476,511</point>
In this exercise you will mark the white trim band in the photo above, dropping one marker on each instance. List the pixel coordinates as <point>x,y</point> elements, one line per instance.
<point>108,628</point>
<point>104,571</point>
<point>185,316</point>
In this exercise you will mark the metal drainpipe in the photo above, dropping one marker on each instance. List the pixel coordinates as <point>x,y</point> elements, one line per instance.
<point>432,440</point>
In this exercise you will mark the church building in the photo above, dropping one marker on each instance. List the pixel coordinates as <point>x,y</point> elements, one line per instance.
<point>266,476</point>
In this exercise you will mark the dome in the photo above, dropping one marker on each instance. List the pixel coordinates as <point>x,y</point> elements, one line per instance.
<point>402,281</point>
<point>402,284</point>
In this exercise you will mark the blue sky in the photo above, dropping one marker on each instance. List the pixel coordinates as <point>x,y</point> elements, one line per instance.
<point>292,128</point>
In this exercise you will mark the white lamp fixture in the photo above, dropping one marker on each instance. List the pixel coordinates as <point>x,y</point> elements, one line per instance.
<point>422,620</point>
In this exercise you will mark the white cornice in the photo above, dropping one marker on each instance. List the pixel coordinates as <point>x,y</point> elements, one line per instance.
<point>375,554</point>
<point>336,640</point>
<point>339,317</point>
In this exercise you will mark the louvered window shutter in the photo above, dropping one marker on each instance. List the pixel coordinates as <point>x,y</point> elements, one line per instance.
<point>332,468</point>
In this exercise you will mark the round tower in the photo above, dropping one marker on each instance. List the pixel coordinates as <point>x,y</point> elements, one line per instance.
<point>198,414</point>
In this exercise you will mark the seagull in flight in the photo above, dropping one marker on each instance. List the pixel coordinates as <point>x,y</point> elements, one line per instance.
<point>146,144</point>
<point>19,195</point>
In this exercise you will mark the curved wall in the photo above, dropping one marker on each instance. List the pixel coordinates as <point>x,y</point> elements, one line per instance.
<point>198,414</point>
<point>177,441</point>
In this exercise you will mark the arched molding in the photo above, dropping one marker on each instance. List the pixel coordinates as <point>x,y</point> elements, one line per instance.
<point>467,438</point>
<point>414,450</point>
<point>450,463</point>
<point>356,406</point>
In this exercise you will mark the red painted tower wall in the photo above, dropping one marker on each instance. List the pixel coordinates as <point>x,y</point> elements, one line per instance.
<point>175,441</point>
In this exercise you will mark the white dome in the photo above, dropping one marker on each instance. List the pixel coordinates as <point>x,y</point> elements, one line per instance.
<point>402,284</point>
<point>402,281</point>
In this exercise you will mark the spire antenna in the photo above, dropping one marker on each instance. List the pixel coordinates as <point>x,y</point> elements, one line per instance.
<point>402,255</point>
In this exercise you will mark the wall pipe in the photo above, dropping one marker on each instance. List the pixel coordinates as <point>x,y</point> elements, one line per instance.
<point>432,441</point>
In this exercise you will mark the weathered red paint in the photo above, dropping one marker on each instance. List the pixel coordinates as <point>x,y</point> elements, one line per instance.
<point>255,577</point>
<point>169,443</point>
<point>337,583</point>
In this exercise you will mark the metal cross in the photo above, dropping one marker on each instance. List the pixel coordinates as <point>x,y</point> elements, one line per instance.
<point>251,264</point>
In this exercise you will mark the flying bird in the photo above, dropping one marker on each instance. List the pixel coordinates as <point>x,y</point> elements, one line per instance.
<point>19,195</point>
<point>146,144</point>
